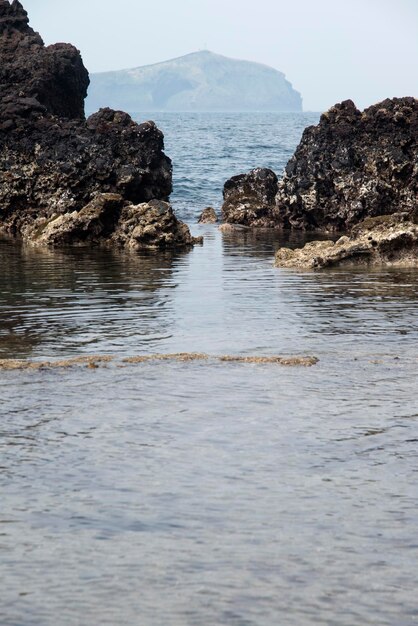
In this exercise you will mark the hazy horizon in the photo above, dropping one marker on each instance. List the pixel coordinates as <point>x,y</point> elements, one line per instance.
<point>328,52</point>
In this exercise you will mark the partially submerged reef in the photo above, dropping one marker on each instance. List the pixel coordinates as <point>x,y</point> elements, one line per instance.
<point>385,240</point>
<point>351,167</point>
<point>94,362</point>
<point>65,179</point>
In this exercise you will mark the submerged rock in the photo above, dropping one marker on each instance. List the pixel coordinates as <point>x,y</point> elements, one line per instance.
<point>208,216</point>
<point>53,162</point>
<point>350,166</point>
<point>249,199</point>
<point>385,240</point>
<point>96,361</point>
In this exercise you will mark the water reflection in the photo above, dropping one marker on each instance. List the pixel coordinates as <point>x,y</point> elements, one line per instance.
<point>223,297</point>
<point>189,493</point>
<point>263,242</point>
<point>65,301</point>
<point>358,301</point>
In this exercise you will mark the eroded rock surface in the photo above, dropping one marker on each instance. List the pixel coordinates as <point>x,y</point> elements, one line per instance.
<point>108,220</point>
<point>35,79</point>
<point>208,216</point>
<point>350,166</point>
<point>53,162</point>
<point>384,240</point>
<point>249,199</point>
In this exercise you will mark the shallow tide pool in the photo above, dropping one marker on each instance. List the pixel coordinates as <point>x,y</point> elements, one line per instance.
<point>206,492</point>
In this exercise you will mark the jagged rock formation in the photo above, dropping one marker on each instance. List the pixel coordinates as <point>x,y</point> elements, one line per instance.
<point>390,240</point>
<point>35,79</point>
<point>350,166</point>
<point>52,161</point>
<point>108,219</point>
<point>249,198</point>
<point>200,81</point>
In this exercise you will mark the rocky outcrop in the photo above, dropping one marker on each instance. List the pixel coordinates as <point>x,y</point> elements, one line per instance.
<point>108,219</point>
<point>35,79</point>
<point>350,166</point>
<point>208,216</point>
<point>249,199</point>
<point>53,162</point>
<point>385,240</point>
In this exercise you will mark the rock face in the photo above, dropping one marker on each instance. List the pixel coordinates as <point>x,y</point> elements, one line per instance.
<point>52,161</point>
<point>249,199</point>
<point>33,78</point>
<point>350,166</point>
<point>108,219</point>
<point>385,240</point>
<point>200,81</point>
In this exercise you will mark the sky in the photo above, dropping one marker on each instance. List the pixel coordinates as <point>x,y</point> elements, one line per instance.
<point>330,50</point>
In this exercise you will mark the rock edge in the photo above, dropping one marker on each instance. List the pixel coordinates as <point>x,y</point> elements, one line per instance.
<point>390,240</point>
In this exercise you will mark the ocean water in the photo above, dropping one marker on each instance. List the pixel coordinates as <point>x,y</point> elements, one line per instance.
<point>208,148</point>
<point>208,492</point>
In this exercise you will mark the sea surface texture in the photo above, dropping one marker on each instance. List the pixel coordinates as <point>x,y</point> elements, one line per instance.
<point>191,493</point>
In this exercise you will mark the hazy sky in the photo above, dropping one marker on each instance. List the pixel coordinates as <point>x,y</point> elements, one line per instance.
<point>330,50</point>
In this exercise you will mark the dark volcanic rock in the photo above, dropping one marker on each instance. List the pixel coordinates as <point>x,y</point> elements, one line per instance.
<point>55,165</point>
<point>249,199</point>
<point>208,216</point>
<point>52,161</point>
<point>35,78</point>
<point>350,166</point>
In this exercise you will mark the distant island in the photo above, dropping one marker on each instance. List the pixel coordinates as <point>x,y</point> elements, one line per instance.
<point>200,81</point>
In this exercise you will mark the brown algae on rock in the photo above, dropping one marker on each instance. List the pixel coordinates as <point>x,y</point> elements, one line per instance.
<point>304,361</point>
<point>389,240</point>
<point>23,364</point>
<point>180,356</point>
<point>94,362</point>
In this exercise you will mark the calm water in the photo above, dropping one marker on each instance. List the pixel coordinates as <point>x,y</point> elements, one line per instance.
<point>204,493</point>
<point>208,148</point>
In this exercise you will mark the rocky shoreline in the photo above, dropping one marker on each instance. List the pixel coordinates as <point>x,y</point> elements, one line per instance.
<point>54,163</point>
<point>386,240</point>
<point>105,180</point>
<point>349,168</point>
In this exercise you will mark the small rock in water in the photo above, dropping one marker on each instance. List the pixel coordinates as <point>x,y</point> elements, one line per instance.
<point>232,228</point>
<point>208,216</point>
<point>249,198</point>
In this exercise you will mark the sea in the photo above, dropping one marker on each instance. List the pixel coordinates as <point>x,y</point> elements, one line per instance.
<point>205,492</point>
